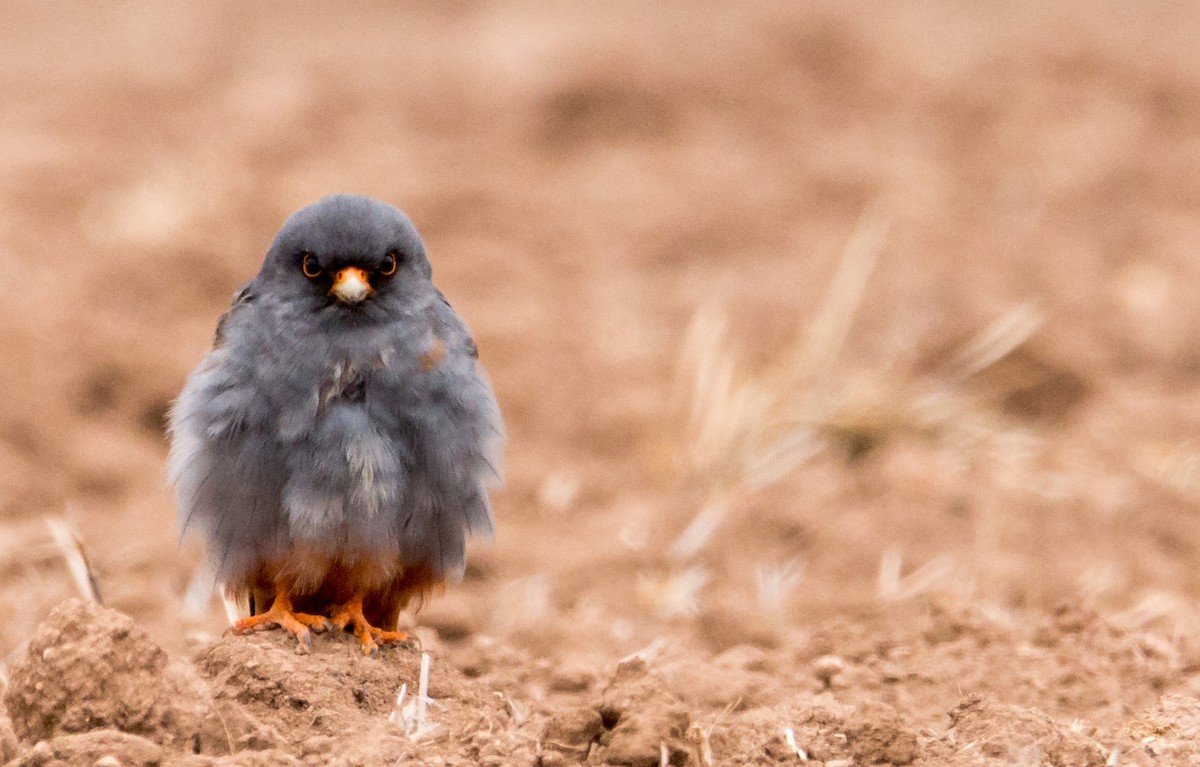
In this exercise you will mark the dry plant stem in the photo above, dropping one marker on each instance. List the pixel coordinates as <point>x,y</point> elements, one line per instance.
<point>73,554</point>
<point>235,610</point>
<point>412,715</point>
<point>829,328</point>
<point>423,689</point>
<point>745,433</point>
<point>999,339</point>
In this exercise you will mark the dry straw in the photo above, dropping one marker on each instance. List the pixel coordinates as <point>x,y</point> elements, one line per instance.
<point>746,431</point>
<point>413,714</point>
<point>71,548</point>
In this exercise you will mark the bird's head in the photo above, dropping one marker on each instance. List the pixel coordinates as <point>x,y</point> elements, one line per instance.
<point>347,253</point>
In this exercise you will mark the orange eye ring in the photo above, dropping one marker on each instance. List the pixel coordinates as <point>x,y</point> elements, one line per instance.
<point>310,266</point>
<point>389,267</point>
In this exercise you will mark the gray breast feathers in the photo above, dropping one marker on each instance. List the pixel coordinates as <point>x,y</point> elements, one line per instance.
<point>388,450</point>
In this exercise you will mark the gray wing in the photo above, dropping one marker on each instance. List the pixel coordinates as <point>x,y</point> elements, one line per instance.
<point>226,475</point>
<point>444,414</point>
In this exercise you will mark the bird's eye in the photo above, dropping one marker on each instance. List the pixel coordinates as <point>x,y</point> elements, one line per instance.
<point>389,264</point>
<point>311,266</point>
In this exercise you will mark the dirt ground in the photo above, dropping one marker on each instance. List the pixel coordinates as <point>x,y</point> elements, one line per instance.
<point>846,352</point>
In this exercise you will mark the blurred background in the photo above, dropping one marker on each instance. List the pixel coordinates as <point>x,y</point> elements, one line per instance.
<point>793,310</point>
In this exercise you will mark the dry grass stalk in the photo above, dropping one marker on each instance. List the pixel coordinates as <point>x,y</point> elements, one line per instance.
<point>1158,607</point>
<point>892,586</point>
<point>517,710</point>
<point>423,690</point>
<point>830,327</point>
<point>998,340</point>
<point>701,737</point>
<point>724,410</point>
<point>413,715</point>
<point>746,431</point>
<point>71,548</point>
<point>776,582</point>
<point>676,594</point>
<point>789,737</point>
<point>398,706</point>
<point>699,530</point>
<point>702,741</point>
<point>647,654</point>
<point>235,609</point>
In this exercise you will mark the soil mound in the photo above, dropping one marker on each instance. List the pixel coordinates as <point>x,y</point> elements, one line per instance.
<point>93,689</point>
<point>92,686</point>
<point>89,670</point>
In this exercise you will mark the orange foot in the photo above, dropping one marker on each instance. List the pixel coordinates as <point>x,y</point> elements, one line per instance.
<point>281,614</point>
<point>351,614</point>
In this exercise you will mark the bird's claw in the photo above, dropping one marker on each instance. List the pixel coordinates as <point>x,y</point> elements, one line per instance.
<point>370,637</point>
<point>281,614</point>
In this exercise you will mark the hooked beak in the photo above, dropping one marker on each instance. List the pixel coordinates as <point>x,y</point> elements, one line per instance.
<point>350,285</point>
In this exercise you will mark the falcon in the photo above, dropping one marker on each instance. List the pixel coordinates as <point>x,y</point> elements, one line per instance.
<point>336,447</point>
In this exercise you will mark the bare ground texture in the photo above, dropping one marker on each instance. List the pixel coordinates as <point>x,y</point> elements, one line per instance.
<point>848,354</point>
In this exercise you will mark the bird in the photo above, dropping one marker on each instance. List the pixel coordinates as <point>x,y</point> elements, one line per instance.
<point>336,447</point>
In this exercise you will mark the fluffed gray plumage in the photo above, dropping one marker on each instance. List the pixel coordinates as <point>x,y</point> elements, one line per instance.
<point>339,439</point>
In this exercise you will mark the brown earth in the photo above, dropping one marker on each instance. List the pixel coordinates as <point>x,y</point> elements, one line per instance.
<point>847,354</point>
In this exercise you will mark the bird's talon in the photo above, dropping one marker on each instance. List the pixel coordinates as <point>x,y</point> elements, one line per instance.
<point>320,625</point>
<point>282,615</point>
<point>370,637</point>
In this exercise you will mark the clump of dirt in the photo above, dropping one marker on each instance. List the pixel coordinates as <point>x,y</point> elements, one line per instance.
<point>8,740</point>
<point>640,720</point>
<point>822,729</point>
<point>643,722</point>
<point>1166,733</point>
<point>741,677</point>
<point>103,748</point>
<point>93,685</point>
<point>877,735</point>
<point>90,669</point>
<point>1001,734</point>
<point>569,735</point>
<point>636,722</point>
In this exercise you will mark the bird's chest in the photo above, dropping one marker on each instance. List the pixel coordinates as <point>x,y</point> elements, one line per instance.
<point>344,383</point>
<point>351,400</point>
